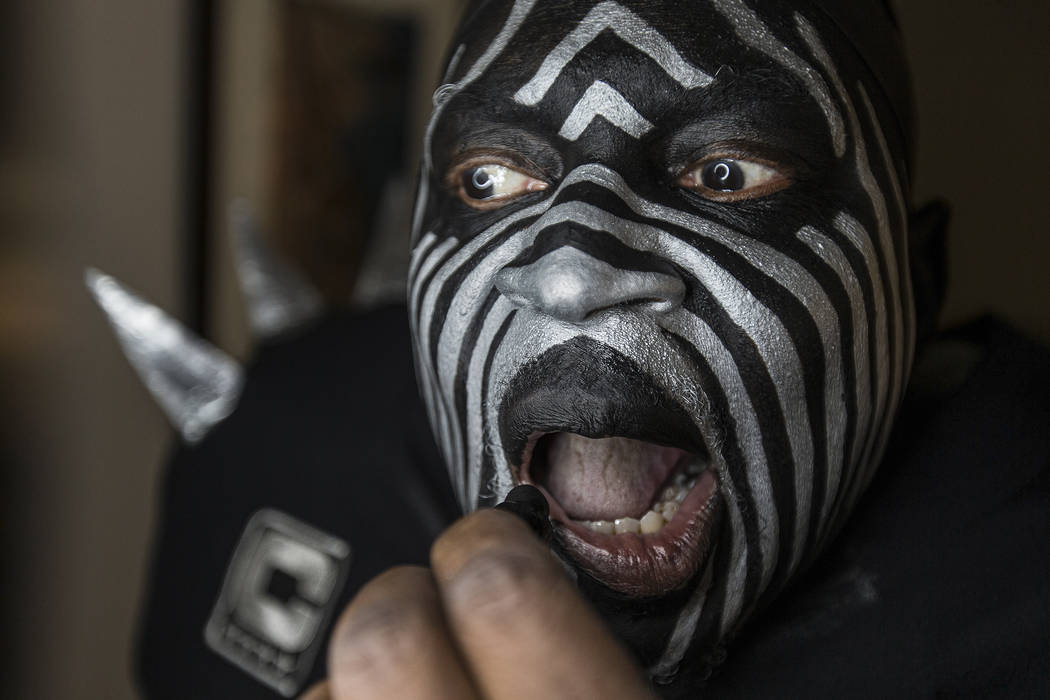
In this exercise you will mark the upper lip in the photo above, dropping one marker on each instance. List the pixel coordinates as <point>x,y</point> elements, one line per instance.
<point>587,388</point>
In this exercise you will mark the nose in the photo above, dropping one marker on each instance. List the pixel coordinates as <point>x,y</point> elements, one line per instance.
<point>571,285</point>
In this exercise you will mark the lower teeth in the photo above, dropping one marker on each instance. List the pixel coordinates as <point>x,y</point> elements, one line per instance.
<point>661,512</point>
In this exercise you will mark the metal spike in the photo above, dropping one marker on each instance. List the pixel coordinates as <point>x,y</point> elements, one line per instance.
<point>279,299</point>
<point>196,384</point>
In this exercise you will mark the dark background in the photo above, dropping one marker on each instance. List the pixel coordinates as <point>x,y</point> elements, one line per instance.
<point>104,161</point>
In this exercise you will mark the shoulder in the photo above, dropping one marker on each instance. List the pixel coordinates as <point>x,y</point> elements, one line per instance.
<point>323,476</point>
<point>938,583</point>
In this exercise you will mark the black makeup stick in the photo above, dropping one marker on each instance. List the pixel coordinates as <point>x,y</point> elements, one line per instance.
<point>530,505</point>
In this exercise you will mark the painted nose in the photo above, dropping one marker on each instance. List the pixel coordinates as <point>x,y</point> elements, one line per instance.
<point>570,285</point>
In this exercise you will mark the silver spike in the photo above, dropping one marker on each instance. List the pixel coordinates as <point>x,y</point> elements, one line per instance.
<point>196,384</point>
<point>279,299</point>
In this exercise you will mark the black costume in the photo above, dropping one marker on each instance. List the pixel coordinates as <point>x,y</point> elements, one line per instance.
<point>330,431</point>
<point>937,586</point>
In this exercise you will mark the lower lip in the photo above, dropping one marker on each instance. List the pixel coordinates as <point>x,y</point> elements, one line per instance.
<point>647,565</point>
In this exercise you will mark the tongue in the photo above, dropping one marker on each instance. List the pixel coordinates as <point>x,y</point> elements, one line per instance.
<point>607,478</point>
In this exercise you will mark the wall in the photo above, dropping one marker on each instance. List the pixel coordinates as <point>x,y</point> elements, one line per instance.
<point>984,106</point>
<point>88,176</point>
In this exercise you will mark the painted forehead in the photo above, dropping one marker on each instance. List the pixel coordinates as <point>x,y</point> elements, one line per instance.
<point>638,66</point>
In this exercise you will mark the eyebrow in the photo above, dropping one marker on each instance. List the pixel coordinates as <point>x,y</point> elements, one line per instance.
<point>762,109</point>
<point>471,129</point>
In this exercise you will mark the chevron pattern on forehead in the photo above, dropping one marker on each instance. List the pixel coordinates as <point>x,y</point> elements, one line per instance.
<point>603,100</point>
<point>632,30</point>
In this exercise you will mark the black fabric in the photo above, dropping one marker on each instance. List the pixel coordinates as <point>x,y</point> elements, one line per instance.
<point>330,430</point>
<point>938,586</point>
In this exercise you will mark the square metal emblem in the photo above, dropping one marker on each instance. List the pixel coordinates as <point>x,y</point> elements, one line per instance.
<point>277,599</point>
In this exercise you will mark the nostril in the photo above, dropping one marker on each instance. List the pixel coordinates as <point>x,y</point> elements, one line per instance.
<point>571,285</point>
<point>659,291</point>
<point>515,284</point>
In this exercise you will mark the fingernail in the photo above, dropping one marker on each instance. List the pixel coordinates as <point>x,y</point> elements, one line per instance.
<point>529,504</point>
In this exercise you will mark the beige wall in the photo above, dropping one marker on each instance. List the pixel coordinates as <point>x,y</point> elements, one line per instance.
<point>89,175</point>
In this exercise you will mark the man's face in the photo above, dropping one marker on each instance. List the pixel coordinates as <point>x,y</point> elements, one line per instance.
<point>659,272</point>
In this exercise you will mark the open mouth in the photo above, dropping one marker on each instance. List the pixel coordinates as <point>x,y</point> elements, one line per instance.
<point>637,516</point>
<point>627,471</point>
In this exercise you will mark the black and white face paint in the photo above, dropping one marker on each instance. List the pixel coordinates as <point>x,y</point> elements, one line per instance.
<point>659,270</point>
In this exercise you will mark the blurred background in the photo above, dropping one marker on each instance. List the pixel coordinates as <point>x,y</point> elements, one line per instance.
<point>127,127</point>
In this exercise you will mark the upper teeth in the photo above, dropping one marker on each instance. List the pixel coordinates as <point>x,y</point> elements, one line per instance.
<point>658,515</point>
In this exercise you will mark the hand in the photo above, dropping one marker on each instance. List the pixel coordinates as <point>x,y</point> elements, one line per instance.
<point>494,618</point>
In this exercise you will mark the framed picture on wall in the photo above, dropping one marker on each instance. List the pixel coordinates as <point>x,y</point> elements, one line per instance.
<point>316,110</point>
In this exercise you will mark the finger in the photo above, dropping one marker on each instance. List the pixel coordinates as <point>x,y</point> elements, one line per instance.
<point>523,629</point>
<point>392,642</point>
<point>317,692</point>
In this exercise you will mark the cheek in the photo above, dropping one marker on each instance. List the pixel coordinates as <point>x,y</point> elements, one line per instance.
<point>785,338</point>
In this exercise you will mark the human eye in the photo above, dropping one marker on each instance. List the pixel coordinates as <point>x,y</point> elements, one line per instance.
<point>488,185</point>
<point>731,179</point>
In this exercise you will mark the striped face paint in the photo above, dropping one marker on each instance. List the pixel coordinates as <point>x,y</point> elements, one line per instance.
<point>659,270</point>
